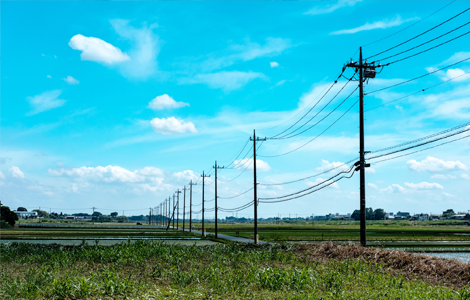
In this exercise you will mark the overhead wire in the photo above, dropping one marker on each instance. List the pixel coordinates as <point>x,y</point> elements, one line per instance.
<point>238,195</point>
<point>419,34</point>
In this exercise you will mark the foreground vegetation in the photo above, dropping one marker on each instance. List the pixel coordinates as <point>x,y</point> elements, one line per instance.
<point>147,269</point>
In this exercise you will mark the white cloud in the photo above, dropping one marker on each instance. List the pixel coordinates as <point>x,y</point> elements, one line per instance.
<point>326,9</point>
<point>448,195</point>
<point>322,182</point>
<point>165,101</point>
<point>16,172</point>
<point>172,125</point>
<point>248,163</point>
<point>274,64</point>
<point>370,170</point>
<point>45,101</point>
<point>1,175</point>
<point>186,176</point>
<point>465,176</point>
<point>49,76</point>
<point>394,188</point>
<point>106,174</point>
<point>376,25</point>
<point>74,187</point>
<point>373,186</point>
<point>150,171</point>
<point>440,176</point>
<point>225,80</point>
<point>71,80</point>
<point>97,50</point>
<point>145,49</point>
<point>41,189</point>
<point>454,73</point>
<point>432,164</point>
<point>326,165</point>
<point>424,185</point>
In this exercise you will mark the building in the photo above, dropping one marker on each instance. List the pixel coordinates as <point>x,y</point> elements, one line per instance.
<point>26,214</point>
<point>403,215</point>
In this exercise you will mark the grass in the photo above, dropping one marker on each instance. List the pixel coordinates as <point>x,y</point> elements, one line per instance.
<point>348,230</point>
<point>148,270</point>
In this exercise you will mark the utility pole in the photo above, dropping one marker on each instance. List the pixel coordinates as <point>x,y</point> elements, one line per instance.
<point>216,168</point>
<point>178,192</point>
<point>203,179</point>
<point>255,185</point>
<point>93,215</point>
<point>150,216</point>
<point>184,205</point>
<point>365,71</point>
<point>173,211</point>
<point>191,204</point>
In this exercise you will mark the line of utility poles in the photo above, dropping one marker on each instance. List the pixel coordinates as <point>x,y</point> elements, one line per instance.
<point>216,167</point>
<point>203,184</point>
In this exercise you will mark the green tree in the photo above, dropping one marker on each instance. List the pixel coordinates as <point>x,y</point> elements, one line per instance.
<point>8,216</point>
<point>448,213</point>
<point>379,214</point>
<point>21,209</point>
<point>123,219</point>
<point>114,214</point>
<point>104,218</point>
<point>356,215</point>
<point>370,214</point>
<point>42,213</point>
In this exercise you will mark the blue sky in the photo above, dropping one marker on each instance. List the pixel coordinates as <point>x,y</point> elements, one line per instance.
<point>118,104</point>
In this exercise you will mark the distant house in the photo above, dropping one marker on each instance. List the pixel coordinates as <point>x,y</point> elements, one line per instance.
<point>402,214</point>
<point>458,217</point>
<point>26,214</point>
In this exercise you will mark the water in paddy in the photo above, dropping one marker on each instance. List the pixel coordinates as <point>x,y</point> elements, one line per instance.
<point>104,242</point>
<point>459,256</point>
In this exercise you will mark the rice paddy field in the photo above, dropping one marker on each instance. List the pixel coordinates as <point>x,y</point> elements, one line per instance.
<point>106,261</point>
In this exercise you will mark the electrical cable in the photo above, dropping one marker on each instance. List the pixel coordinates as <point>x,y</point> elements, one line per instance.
<point>421,33</point>
<point>237,195</point>
<point>420,91</point>
<point>288,152</point>
<point>275,136</point>
<point>424,75</point>
<point>299,133</point>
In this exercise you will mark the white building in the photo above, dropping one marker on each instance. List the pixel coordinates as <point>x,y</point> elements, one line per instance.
<point>26,214</point>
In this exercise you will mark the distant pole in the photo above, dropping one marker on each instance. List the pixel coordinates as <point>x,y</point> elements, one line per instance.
<point>150,215</point>
<point>255,186</point>
<point>203,180</point>
<point>184,205</point>
<point>216,168</point>
<point>178,192</point>
<point>173,211</point>
<point>191,204</point>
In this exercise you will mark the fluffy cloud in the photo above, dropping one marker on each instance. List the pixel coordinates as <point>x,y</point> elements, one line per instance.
<point>326,165</point>
<point>373,186</point>
<point>71,80</point>
<point>172,125</point>
<point>106,174</point>
<point>424,185</point>
<point>394,188</point>
<point>97,50</point>
<point>45,101</point>
<point>186,176</point>
<point>225,80</point>
<point>432,164</point>
<point>1,175</point>
<point>326,9</point>
<point>165,101</point>
<point>440,176</point>
<point>16,172</point>
<point>248,163</point>
<point>274,64</point>
<point>465,176</point>
<point>74,187</point>
<point>458,74</point>
<point>376,25</point>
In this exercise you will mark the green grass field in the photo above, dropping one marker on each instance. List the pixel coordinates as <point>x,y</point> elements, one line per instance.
<point>156,270</point>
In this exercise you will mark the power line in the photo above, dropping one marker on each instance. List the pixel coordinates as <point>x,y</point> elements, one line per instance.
<point>238,195</point>
<point>420,34</point>
<point>406,28</point>
<point>424,75</point>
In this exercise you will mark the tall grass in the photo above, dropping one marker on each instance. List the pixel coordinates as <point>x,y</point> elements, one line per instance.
<point>147,269</point>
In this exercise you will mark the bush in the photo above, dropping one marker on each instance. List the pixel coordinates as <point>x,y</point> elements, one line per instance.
<point>8,216</point>
<point>5,225</point>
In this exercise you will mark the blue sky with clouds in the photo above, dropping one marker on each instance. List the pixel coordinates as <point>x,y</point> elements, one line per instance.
<point>118,104</point>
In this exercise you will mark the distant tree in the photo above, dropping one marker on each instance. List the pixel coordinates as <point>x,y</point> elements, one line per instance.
<point>114,214</point>
<point>104,218</point>
<point>21,209</point>
<point>379,214</point>
<point>467,217</point>
<point>123,219</point>
<point>370,214</point>
<point>8,216</point>
<point>54,215</point>
<point>448,213</point>
<point>356,215</point>
<point>97,214</point>
<point>42,213</point>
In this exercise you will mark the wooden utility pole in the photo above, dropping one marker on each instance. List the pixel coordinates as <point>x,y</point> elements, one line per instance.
<point>191,204</point>
<point>255,185</point>
<point>178,192</point>
<point>203,179</point>
<point>216,168</point>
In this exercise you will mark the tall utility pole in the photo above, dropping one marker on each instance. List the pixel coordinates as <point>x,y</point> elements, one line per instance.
<point>255,185</point>
<point>203,177</point>
<point>173,211</point>
<point>191,204</point>
<point>365,71</point>
<point>184,205</point>
<point>216,167</point>
<point>178,192</point>
<point>150,216</point>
